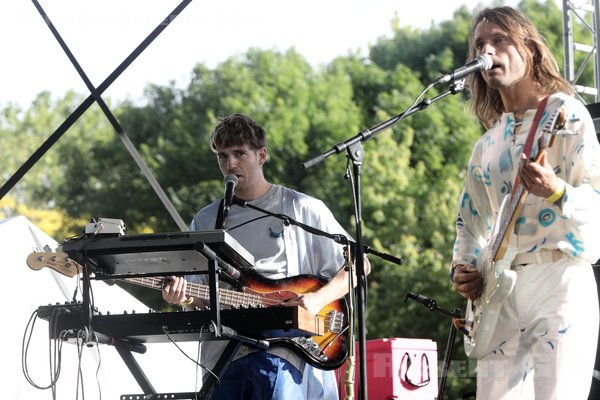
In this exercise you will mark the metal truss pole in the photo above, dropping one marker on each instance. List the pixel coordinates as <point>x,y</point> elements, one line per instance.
<point>573,72</point>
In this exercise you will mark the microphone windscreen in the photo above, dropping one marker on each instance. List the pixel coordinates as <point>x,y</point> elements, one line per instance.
<point>231,178</point>
<point>486,61</point>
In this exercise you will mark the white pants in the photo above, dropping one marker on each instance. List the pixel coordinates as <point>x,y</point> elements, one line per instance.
<point>546,336</point>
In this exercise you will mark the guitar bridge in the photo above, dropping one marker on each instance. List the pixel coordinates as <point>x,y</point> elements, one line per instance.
<point>335,321</point>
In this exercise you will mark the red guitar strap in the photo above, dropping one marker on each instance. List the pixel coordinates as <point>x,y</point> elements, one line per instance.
<point>529,142</point>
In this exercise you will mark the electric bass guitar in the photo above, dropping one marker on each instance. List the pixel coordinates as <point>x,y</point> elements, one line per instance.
<point>495,260</point>
<point>327,351</point>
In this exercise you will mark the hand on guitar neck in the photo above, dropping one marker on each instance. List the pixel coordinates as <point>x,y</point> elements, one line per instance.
<point>175,292</point>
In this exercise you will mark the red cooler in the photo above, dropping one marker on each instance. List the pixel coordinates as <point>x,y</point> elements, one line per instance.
<point>404,369</point>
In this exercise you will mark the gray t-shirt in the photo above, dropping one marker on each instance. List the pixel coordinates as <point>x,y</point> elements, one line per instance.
<point>279,251</point>
<point>262,235</point>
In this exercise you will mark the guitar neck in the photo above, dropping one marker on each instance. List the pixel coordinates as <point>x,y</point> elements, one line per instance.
<point>500,243</point>
<point>273,293</point>
<point>227,297</point>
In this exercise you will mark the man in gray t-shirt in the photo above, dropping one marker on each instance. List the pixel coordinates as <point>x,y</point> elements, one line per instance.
<point>279,252</point>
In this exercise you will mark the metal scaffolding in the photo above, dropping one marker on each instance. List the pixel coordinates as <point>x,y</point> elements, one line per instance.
<point>572,72</point>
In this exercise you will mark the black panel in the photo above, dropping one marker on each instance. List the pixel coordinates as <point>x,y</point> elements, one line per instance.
<point>156,253</point>
<point>595,391</point>
<point>594,110</point>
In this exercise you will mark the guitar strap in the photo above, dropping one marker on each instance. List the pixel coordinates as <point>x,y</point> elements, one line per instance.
<point>529,142</point>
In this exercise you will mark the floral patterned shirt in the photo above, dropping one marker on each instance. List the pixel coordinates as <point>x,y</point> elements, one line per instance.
<point>571,225</point>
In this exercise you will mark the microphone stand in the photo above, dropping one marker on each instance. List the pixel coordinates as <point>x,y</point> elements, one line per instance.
<point>338,238</point>
<point>355,153</point>
<point>432,305</point>
<point>369,133</point>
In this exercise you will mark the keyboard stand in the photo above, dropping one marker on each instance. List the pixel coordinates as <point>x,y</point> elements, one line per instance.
<point>134,368</point>
<point>205,392</point>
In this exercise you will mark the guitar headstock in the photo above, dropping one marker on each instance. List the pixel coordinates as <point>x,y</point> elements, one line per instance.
<point>555,123</point>
<point>59,262</point>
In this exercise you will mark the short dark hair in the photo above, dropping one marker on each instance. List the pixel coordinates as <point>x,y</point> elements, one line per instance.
<point>237,130</point>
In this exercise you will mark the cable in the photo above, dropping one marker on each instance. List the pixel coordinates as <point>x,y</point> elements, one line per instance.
<point>82,337</point>
<point>247,222</point>
<point>54,351</point>
<point>198,364</point>
<point>99,365</point>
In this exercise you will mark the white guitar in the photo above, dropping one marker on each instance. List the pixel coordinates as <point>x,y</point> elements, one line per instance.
<point>495,261</point>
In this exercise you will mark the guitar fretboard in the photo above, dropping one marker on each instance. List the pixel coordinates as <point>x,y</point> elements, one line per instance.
<point>227,297</point>
<point>506,223</point>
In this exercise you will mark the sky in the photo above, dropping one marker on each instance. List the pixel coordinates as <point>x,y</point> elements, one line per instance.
<point>102,33</point>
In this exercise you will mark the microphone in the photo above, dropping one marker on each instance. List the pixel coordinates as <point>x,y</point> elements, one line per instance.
<point>230,182</point>
<point>102,338</point>
<point>482,63</point>
<point>426,301</point>
<point>229,270</point>
<point>225,267</point>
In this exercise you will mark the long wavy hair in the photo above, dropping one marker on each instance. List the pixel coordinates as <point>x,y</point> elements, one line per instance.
<point>484,101</point>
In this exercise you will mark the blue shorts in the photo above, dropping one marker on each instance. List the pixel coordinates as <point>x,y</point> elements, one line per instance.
<point>259,376</point>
